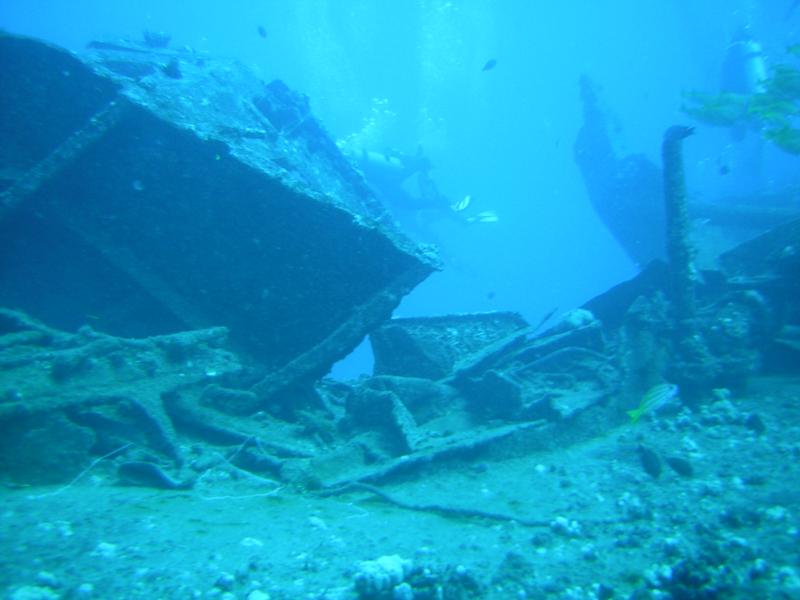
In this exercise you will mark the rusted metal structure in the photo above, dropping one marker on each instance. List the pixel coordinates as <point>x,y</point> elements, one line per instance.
<point>145,191</point>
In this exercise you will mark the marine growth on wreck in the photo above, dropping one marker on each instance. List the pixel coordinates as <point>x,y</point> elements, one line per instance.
<point>187,254</point>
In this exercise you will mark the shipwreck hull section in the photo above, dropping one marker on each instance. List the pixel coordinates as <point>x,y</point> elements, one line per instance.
<point>119,212</point>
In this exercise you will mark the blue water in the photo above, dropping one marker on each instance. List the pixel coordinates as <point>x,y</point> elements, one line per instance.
<point>405,74</point>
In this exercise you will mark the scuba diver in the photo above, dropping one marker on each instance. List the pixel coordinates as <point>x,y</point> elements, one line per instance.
<point>744,71</point>
<point>404,183</point>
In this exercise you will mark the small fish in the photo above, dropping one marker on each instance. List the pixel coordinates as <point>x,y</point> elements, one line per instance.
<point>487,216</point>
<point>655,397</point>
<point>490,64</point>
<point>461,204</point>
<point>262,32</point>
<point>681,466</point>
<point>651,462</point>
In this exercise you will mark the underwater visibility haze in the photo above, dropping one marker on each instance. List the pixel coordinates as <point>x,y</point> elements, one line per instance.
<point>400,299</point>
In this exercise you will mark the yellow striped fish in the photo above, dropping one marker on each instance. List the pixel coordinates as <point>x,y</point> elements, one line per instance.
<point>656,396</point>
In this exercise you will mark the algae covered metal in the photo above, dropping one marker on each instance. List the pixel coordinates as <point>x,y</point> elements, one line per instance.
<point>148,191</point>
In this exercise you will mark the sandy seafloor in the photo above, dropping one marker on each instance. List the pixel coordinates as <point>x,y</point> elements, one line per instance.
<point>609,529</point>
